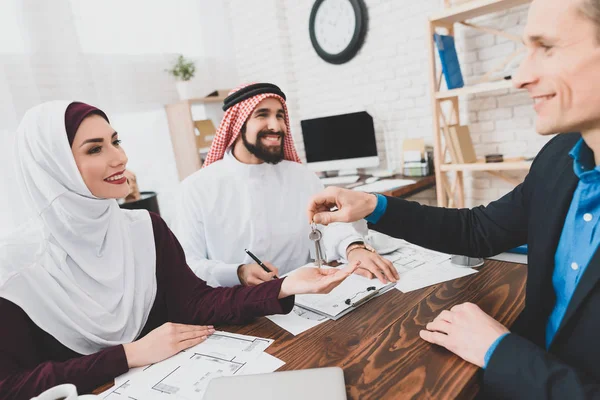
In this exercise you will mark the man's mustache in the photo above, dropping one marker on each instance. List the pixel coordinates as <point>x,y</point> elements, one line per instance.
<point>262,134</point>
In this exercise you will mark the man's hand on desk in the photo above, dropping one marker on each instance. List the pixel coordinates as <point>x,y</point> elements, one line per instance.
<point>310,280</point>
<point>466,331</point>
<point>351,206</point>
<point>253,274</point>
<point>373,265</point>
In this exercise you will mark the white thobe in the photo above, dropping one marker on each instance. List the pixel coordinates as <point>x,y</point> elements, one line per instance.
<point>230,206</point>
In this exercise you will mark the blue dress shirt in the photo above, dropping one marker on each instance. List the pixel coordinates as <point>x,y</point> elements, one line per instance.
<point>580,238</point>
<point>578,241</point>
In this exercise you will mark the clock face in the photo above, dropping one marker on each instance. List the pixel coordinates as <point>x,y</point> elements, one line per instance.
<point>337,29</point>
<point>334,25</point>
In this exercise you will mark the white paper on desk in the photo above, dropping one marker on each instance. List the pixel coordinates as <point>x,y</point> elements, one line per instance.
<point>186,375</point>
<point>510,257</point>
<point>409,256</point>
<point>114,392</point>
<point>384,185</point>
<point>298,321</point>
<point>124,383</point>
<point>127,375</point>
<point>189,379</point>
<point>231,346</point>
<point>264,363</point>
<point>430,274</point>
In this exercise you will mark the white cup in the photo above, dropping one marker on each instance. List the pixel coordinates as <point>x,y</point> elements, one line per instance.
<point>467,262</point>
<point>66,391</point>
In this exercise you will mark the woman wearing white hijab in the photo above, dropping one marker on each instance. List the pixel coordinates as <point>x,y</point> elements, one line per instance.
<point>88,290</point>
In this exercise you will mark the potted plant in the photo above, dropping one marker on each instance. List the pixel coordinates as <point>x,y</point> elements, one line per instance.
<point>183,71</point>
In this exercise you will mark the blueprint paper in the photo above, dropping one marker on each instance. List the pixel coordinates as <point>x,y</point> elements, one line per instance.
<point>186,375</point>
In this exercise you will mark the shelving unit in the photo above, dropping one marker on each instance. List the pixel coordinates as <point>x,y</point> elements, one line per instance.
<point>481,88</point>
<point>481,165</point>
<point>450,194</point>
<point>183,132</point>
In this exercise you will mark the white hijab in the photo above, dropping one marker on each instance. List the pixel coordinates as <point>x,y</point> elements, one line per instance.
<point>81,268</point>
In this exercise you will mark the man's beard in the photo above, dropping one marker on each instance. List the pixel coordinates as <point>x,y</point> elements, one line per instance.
<point>269,154</point>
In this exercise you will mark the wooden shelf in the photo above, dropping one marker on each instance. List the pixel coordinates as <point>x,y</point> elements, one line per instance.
<point>473,9</point>
<point>205,100</point>
<point>481,88</point>
<point>481,165</point>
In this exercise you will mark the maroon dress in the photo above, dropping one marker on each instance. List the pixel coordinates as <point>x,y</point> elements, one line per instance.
<point>31,360</point>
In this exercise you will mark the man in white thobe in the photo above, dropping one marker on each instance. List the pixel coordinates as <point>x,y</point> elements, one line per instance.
<point>251,194</point>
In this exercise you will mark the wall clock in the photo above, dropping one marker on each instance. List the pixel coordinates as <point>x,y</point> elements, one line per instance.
<point>337,29</point>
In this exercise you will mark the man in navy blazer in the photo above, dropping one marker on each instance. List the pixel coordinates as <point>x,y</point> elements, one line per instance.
<point>553,349</point>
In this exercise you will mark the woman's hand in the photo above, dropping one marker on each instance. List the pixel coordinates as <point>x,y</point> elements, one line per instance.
<point>315,280</point>
<point>164,342</point>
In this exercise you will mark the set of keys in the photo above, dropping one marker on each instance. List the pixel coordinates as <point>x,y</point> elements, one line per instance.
<point>315,235</point>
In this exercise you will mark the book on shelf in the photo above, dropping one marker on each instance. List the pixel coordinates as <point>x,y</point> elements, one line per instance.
<point>205,132</point>
<point>449,61</point>
<point>461,145</point>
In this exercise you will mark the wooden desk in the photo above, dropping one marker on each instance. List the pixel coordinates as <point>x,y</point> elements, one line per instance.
<point>378,345</point>
<point>422,183</point>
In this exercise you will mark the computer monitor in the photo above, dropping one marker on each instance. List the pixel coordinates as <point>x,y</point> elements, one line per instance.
<point>340,142</point>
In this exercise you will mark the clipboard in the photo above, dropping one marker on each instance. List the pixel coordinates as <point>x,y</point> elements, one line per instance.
<point>349,295</point>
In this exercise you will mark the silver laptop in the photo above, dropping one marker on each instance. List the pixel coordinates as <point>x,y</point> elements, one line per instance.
<point>313,384</point>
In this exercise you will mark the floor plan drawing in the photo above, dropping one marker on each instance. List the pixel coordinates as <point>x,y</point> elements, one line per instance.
<point>186,375</point>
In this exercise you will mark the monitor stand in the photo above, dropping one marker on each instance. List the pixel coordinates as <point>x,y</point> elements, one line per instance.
<point>348,172</point>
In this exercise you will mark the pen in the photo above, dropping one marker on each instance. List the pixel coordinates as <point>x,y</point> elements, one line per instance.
<point>259,262</point>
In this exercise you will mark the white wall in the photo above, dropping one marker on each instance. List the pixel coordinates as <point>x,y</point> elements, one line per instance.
<point>54,54</point>
<point>388,78</point>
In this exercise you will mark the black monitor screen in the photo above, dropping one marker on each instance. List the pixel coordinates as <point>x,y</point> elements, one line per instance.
<point>339,137</point>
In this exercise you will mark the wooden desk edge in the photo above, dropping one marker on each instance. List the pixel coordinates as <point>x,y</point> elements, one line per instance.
<point>420,185</point>
<point>103,387</point>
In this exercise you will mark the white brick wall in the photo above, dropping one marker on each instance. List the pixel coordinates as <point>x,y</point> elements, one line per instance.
<point>388,78</point>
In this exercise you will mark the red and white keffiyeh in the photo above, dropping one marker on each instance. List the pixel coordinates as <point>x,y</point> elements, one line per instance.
<point>231,126</point>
